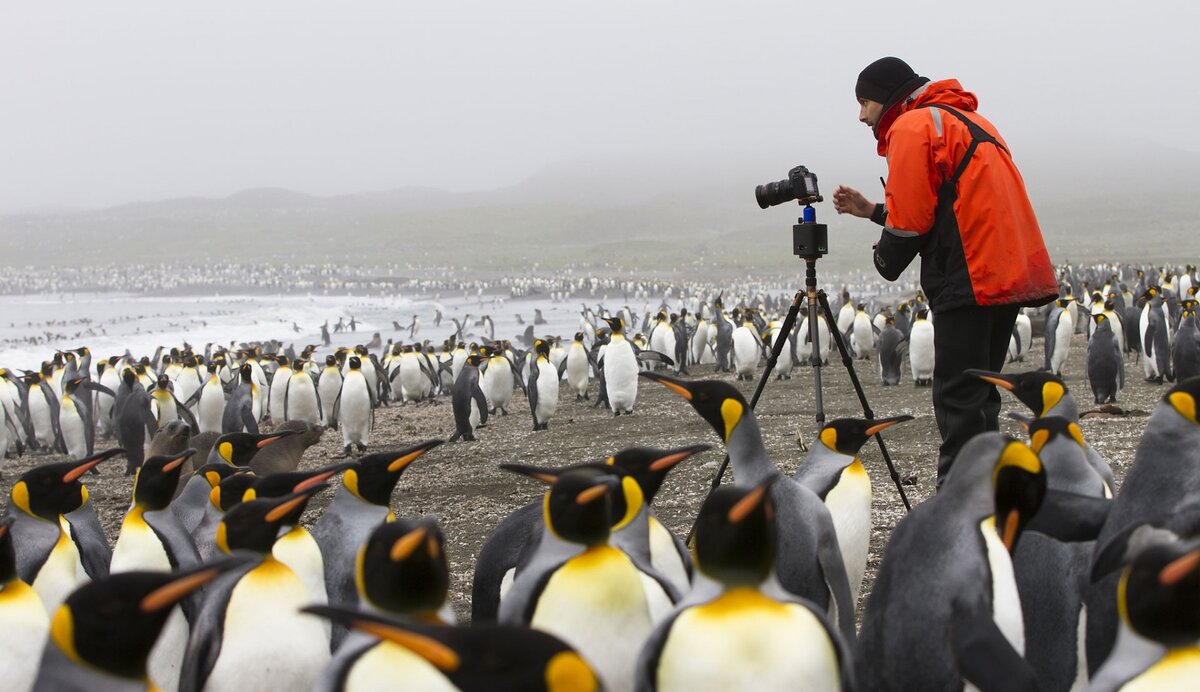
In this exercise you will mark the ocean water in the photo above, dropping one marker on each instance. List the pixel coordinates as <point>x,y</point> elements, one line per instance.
<point>32,327</point>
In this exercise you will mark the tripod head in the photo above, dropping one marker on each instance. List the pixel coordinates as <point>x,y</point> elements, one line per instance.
<point>810,240</point>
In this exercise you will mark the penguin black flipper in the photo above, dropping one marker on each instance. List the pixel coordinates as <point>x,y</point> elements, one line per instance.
<point>186,413</point>
<point>517,375</point>
<point>90,541</point>
<point>562,368</point>
<point>1049,336</point>
<point>531,392</point>
<point>648,356</point>
<point>1070,517</point>
<point>12,427</point>
<point>248,420</point>
<point>507,547</point>
<point>337,407</point>
<point>181,551</point>
<point>983,655</point>
<point>204,644</point>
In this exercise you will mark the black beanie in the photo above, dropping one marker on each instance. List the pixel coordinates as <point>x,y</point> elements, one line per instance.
<point>886,81</point>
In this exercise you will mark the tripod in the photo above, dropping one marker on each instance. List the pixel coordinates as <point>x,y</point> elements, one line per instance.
<point>809,242</point>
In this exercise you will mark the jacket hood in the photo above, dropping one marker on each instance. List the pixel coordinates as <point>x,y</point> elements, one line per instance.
<point>947,92</point>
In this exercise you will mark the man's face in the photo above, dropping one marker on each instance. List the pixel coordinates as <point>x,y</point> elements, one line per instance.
<point>869,112</point>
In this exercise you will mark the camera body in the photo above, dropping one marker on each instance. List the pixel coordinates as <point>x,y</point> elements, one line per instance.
<point>800,185</point>
<point>810,239</point>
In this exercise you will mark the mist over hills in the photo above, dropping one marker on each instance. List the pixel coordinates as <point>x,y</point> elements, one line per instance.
<point>688,212</point>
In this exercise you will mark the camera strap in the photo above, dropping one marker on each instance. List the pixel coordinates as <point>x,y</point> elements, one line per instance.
<point>978,134</point>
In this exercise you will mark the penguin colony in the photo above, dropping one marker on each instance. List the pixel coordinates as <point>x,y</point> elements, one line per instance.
<point>1030,569</point>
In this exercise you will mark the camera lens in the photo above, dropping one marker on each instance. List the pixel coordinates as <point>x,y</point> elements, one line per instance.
<point>774,193</point>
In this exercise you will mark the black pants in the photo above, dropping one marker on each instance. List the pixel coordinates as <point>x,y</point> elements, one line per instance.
<point>964,338</point>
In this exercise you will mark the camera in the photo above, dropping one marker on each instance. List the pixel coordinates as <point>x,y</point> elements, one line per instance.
<point>800,185</point>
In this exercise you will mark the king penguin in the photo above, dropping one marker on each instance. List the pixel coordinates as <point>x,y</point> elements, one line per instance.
<point>1164,476</point>
<point>361,502</point>
<point>1105,364</point>
<point>355,408</point>
<point>810,562</point>
<point>834,472</point>
<point>23,620</point>
<point>637,532</point>
<point>468,400</point>
<point>152,538</point>
<point>471,659</point>
<point>578,367</point>
<point>250,634</point>
<point>597,600</point>
<point>920,349</point>
<point>620,370</point>
<point>401,570</point>
<point>946,575</point>
<point>103,634</point>
<point>542,386</point>
<point>738,629</point>
<point>54,553</point>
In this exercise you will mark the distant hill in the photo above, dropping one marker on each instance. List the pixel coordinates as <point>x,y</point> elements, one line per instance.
<point>1093,203</point>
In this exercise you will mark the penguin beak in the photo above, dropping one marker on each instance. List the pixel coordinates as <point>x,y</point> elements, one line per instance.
<point>885,423</point>
<point>178,460</point>
<point>1012,524</point>
<point>85,465</point>
<point>1179,568</point>
<point>174,591</point>
<point>321,477</point>
<point>436,653</point>
<point>596,492</point>
<point>274,437</point>
<point>546,476</point>
<point>994,377</point>
<point>406,544</point>
<point>670,383</point>
<point>673,457</point>
<point>412,454</point>
<point>289,503</point>
<point>746,506</point>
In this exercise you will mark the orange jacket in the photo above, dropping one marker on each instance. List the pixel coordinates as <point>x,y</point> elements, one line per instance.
<point>982,245</point>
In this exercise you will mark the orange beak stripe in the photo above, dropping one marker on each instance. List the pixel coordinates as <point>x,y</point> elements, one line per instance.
<point>746,505</point>
<point>1003,384</point>
<point>406,544</point>
<point>591,494</point>
<point>1011,522</point>
<point>1180,568</point>
<point>74,474</point>
<point>286,508</point>
<point>669,461</point>
<point>170,594</point>
<point>439,655</point>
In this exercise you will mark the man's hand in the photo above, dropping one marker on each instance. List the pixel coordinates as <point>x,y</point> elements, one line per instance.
<point>847,200</point>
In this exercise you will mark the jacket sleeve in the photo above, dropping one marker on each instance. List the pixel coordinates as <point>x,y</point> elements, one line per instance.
<point>911,193</point>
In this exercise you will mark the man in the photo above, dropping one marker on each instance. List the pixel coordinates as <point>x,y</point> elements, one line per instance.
<point>954,196</point>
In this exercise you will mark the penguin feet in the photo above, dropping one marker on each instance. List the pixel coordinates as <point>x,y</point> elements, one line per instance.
<point>346,450</point>
<point>362,447</point>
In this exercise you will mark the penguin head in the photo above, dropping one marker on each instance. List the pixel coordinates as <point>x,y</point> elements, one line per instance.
<point>214,473</point>
<point>355,363</point>
<point>1182,398</point>
<point>231,491</point>
<point>476,359</point>
<point>717,401</point>
<point>1044,430</point>
<point>542,348</point>
<point>157,478</point>
<point>579,337</point>
<point>649,467</point>
<point>129,377</point>
<point>480,657</point>
<point>286,483</point>
<point>402,568</point>
<point>254,525</point>
<point>1158,595</point>
<point>54,489</point>
<point>330,361</point>
<point>238,448</point>
<point>1040,391</point>
<point>616,324</point>
<point>373,477</point>
<point>848,435</point>
<point>111,624</point>
<point>1019,486</point>
<point>579,506</point>
<point>735,534</point>
<point>8,555</point>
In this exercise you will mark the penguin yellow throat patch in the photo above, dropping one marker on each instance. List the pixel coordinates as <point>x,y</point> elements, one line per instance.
<point>739,600</point>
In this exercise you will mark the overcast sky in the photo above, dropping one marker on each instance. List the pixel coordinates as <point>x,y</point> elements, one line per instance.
<point>116,101</point>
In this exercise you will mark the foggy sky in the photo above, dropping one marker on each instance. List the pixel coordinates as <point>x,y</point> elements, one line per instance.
<point>110,102</point>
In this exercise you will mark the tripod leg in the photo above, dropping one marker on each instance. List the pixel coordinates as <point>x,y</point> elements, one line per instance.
<point>862,397</point>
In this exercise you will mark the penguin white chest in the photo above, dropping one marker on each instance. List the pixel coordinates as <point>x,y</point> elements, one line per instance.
<point>24,626</point>
<point>620,375</point>
<point>71,424</point>
<point>849,504</point>
<point>267,644</point>
<point>61,573</point>
<point>664,556</point>
<point>745,641</point>
<point>138,547</point>
<point>597,603</point>
<point>1006,603</point>
<point>383,666</point>
<point>1177,670</point>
